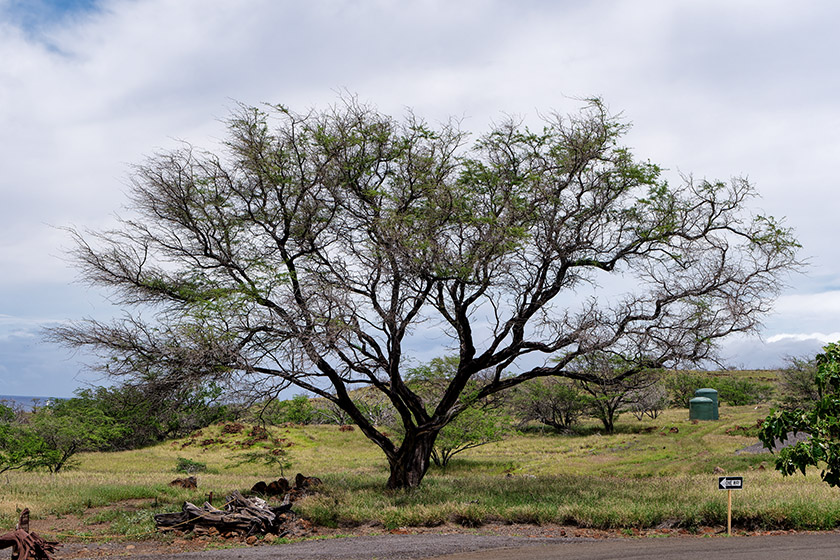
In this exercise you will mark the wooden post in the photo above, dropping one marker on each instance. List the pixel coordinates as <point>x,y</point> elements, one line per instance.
<point>729,512</point>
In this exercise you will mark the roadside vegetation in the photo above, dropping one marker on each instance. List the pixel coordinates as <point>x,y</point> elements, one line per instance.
<point>653,470</point>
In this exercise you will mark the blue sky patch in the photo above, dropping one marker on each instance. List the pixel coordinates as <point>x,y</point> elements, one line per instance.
<point>35,15</point>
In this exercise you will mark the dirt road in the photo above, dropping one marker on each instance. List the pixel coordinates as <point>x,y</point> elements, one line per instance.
<point>817,546</point>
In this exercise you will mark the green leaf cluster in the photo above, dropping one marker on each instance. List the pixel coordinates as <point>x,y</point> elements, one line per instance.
<point>822,423</point>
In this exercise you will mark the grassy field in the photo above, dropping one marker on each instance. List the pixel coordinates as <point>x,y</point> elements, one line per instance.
<point>649,473</point>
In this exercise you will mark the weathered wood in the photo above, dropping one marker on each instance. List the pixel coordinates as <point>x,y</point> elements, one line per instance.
<point>241,515</point>
<point>23,521</point>
<point>27,546</point>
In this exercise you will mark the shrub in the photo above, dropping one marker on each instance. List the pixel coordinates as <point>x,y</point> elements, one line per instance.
<point>734,391</point>
<point>550,401</point>
<point>188,466</point>
<point>737,392</point>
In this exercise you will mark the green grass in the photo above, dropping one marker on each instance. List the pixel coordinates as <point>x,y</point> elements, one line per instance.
<point>648,473</point>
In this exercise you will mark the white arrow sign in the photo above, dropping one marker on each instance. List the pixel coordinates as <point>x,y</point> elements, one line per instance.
<point>730,482</point>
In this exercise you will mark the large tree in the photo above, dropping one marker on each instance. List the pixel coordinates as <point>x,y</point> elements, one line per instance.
<point>319,249</point>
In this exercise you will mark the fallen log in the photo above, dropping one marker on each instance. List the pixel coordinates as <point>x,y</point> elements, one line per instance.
<point>26,545</point>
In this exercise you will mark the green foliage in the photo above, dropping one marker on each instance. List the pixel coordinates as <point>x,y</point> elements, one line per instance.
<point>297,410</point>
<point>21,448</point>
<point>190,466</point>
<point>822,422</point>
<point>681,385</point>
<point>51,437</point>
<point>156,413</point>
<point>70,426</point>
<point>741,391</point>
<point>734,391</point>
<point>551,401</point>
<point>472,428</point>
<point>7,414</point>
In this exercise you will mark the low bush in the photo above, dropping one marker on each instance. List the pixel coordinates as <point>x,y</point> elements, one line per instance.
<point>188,466</point>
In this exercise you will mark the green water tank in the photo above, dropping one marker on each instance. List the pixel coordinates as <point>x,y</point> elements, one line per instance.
<point>702,408</point>
<point>709,394</point>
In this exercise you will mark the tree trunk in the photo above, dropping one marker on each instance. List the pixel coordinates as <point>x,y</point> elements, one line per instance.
<point>411,461</point>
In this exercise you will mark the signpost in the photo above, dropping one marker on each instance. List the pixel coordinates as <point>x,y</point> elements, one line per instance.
<point>730,483</point>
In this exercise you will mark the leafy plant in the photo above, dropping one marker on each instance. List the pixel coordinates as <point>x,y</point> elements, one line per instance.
<point>70,426</point>
<point>822,422</point>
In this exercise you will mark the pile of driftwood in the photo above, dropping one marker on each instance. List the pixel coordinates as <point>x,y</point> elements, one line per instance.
<point>26,545</point>
<point>242,516</point>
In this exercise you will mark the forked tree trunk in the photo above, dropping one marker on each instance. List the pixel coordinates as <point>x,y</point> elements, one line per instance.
<point>411,461</point>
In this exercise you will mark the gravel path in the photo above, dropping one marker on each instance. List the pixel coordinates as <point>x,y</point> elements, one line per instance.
<point>779,444</point>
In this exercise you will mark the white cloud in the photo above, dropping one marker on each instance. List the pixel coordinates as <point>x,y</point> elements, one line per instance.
<point>802,337</point>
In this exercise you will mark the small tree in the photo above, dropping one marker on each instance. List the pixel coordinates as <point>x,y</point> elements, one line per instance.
<point>478,424</point>
<point>472,428</point>
<point>648,401</point>
<point>20,448</point>
<point>297,410</point>
<point>70,426</point>
<point>822,422</point>
<point>681,385</point>
<point>798,384</point>
<point>557,403</point>
<point>613,382</point>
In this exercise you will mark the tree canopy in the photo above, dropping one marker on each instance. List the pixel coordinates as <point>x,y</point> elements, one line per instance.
<point>317,248</point>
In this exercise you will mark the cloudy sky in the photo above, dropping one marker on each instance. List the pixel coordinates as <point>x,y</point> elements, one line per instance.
<point>713,88</point>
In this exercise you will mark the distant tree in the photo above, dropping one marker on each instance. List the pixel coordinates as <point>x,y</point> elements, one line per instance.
<point>7,414</point>
<point>798,383</point>
<point>20,447</point>
<point>297,410</point>
<point>613,383</point>
<point>742,391</point>
<point>822,422</point>
<point>681,385</point>
<point>648,401</point>
<point>70,426</point>
<point>557,403</point>
<point>313,248</point>
<point>153,413</point>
